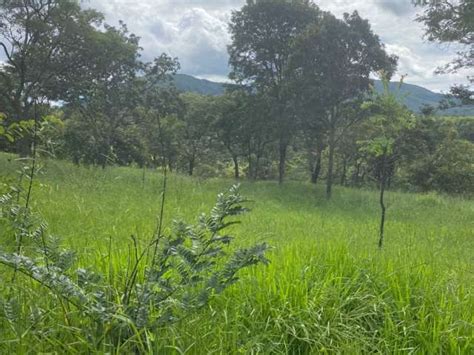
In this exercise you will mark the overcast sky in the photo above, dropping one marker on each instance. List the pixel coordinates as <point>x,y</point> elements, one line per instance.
<point>196,32</point>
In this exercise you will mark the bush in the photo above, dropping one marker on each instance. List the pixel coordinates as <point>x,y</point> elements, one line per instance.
<point>449,169</point>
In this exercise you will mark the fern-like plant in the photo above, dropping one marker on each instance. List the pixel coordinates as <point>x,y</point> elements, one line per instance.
<point>186,269</point>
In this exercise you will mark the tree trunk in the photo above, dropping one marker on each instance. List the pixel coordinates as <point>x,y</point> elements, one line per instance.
<point>22,144</point>
<point>250,164</point>
<point>236,167</point>
<point>191,166</point>
<point>344,172</point>
<point>259,151</point>
<point>317,169</point>
<point>257,166</point>
<point>383,209</point>
<point>329,180</point>
<point>282,163</point>
<point>356,175</point>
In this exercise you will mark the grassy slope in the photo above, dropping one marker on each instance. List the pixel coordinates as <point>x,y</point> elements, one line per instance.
<point>328,288</point>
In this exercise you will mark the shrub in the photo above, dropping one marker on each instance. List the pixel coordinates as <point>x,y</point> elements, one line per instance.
<point>171,276</point>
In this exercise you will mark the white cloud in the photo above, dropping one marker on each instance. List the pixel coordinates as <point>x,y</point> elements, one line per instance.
<point>394,21</point>
<point>196,32</point>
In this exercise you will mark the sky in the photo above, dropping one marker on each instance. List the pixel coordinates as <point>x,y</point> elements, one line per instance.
<point>196,31</point>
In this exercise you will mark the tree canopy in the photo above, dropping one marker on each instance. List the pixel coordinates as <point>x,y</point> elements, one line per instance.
<point>451,21</point>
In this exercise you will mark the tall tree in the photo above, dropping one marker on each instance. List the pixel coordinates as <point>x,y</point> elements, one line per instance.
<point>160,106</point>
<point>43,42</point>
<point>105,98</point>
<point>230,124</point>
<point>263,32</point>
<point>195,129</point>
<point>332,62</point>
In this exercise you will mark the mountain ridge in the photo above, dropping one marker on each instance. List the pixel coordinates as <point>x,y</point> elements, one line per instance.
<point>413,96</point>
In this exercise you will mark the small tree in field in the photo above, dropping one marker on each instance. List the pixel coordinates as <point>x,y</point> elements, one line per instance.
<point>386,128</point>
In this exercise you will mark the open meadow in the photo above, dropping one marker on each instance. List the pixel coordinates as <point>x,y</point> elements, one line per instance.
<point>328,288</point>
<point>236,177</point>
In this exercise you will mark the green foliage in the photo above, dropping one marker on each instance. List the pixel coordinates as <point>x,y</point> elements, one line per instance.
<point>450,21</point>
<point>186,269</point>
<point>243,126</point>
<point>15,130</point>
<point>386,129</point>
<point>41,42</point>
<point>452,168</point>
<point>302,75</point>
<point>413,96</point>
<point>262,39</point>
<point>263,36</point>
<point>193,131</point>
<point>441,158</point>
<point>325,272</point>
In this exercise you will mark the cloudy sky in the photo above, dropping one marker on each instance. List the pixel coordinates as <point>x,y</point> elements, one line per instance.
<point>196,32</point>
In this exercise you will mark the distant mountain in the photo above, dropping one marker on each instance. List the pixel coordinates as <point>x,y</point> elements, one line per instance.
<point>413,96</point>
<point>188,83</point>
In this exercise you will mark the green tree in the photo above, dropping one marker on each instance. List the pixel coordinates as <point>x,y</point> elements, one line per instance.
<point>104,105</point>
<point>385,137</point>
<point>439,155</point>
<point>243,128</point>
<point>332,63</point>
<point>44,43</point>
<point>463,94</point>
<point>230,125</point>
<point>195,128</point>
<point>428,110</point>
<point>263,32</point>
<point>158,112</point>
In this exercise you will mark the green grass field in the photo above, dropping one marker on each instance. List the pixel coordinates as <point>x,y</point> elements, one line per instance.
<point>328,288</point>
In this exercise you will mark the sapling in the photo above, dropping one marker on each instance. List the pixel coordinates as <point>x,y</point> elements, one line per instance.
<point>386,128</point>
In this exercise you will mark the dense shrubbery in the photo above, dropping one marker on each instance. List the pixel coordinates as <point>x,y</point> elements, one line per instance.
<point>437,156</point>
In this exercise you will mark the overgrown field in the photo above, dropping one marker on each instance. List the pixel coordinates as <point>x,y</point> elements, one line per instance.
<point>328,287</point>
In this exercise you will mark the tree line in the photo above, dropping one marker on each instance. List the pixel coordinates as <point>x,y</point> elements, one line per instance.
<point>302,105</point>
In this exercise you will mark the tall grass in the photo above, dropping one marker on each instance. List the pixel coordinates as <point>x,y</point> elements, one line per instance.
<point>328,288</point>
